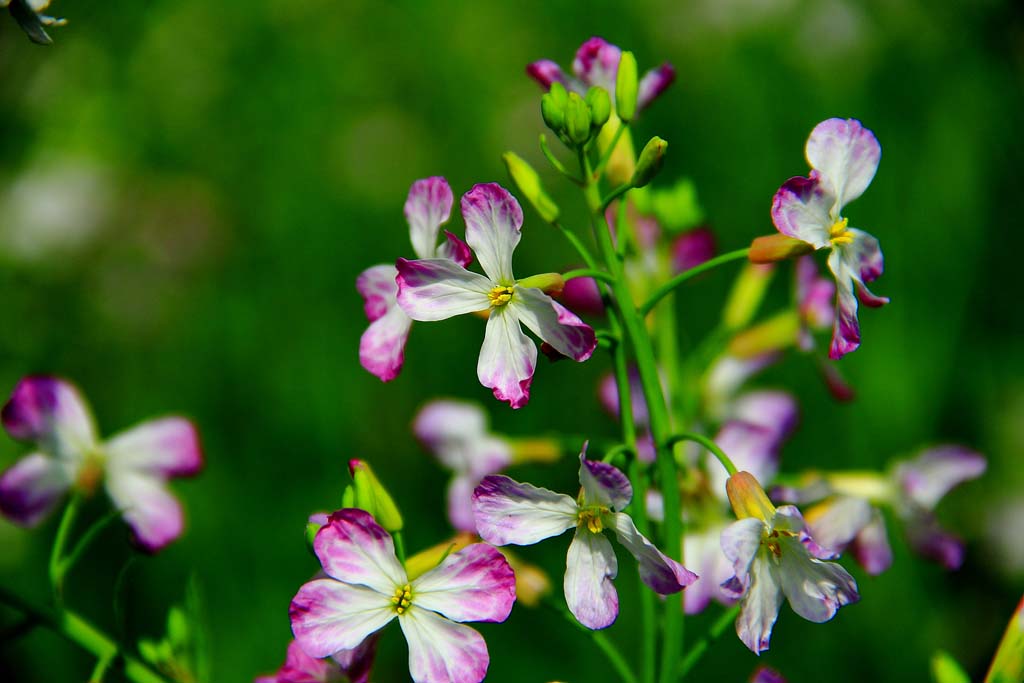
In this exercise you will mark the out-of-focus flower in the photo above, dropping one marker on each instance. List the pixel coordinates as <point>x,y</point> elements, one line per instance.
<point>773,555</point>
<point>844,157</point>
<point>436,289</point>
<point>508,512</point>
<point>350,666</point>
<point>382,346</point>
<point>133,466</point>
<point>765,674</point>
<point>366,588</point>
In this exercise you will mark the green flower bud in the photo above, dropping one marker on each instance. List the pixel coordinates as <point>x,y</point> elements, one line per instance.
<point>549,283</point>
<point>552,112</point>
<point>371,496</point>
<point>600,106</point>
<point>311,529</point>
<point>626,87</point>
<point>528,182</point>
<point>577,119</point>
<point>747,293</point>
<point>650,161</point>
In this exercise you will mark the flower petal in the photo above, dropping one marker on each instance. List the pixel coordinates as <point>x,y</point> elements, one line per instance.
<point>146,505</point>
<point>436,289</point>
<point>299,667</point>
<point>692,248</point>
<point>814,294</point>
<point>751,447</point>
<point>772,409</point>
<point>546,72</point>
<point>382,345</point>
<point>815,589</point>
<point>456,433</point>
<point>931,541</point>
<point>357,663</point>
<point>597,63</point>
<point>493,223</point>
<point>474,584</point>
<point>740,542</point>
<point>846,154</point>
<point>590,567</point>
<point>353,548</point>
<point>703,551</point>
<point>441,651</point>
<point>583,294</point>
<point>507,358</point>
<point>760,607</point>
<point>455,249</point>
<point>936,471</point>
<point>800,209</point>
<point>328,616</point>
<point>871,547</point>
<point>32,487</point>
<point>507,512</point>
<point>378,288</point>
<point>554,323</point>
<point>428,206</point>
<point>52,413</point>
<point>604,484</point>
<point>653,83</point>
<point>660,572</point>
<point>836,522</point>
<point>165,447</point>
<point>460,502</point>
<point>845,328</point>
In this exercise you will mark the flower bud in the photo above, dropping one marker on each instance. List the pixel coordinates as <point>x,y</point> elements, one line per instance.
<point>425,560</point>
<point>778,247</point>
<point>747,293</point>
<point>577,119</point>
<point>626,87</point>
<point>600,106</point>
<point>535,450</point>
<point>549,283</point>
<point>775,334</point>
<point>622,162</point>
<point>552,107</point>
<point>528,182</point>
<point>370,495</point>
<point>747,497</point>
<point>650,161</point>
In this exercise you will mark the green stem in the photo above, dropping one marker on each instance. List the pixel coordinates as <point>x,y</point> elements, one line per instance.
<point>608,152</point>
<point>615,194</point>
<point>555,163</point>
<point>101,668</point>
<point>682,277</point>
<point>706,443</point>
<point>87,538</point>
<point>701,646</point>
<point>600,639</point>
<point>399,546</point>
<point>580,248</point>
<point>587,272</point>
<point>67,521</point>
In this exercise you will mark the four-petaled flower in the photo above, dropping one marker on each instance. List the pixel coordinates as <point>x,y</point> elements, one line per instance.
<point>134,465</point>
<point>509,512</point>
<point>367,587</point>
<point>844,157</point>
<point>772,555</point>
<point>382,346</point>
<point>436,289</point>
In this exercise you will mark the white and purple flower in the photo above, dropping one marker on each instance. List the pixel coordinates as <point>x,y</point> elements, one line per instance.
<point>382,346</point>
<point>844,157</point>
<point>134,465</point>
<point>436,289</point>
<point>366,587</point>
<point>509,512</point>
<point>350,666</point>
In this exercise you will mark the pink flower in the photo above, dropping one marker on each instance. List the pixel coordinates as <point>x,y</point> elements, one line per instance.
<point>349,666</point>
<point>133,465</point>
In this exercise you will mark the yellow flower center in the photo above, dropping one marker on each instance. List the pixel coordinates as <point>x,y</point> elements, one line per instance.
<point>402,599</point>
<point>839,233</point>
<point>592,518</point>
<point>500,295</point>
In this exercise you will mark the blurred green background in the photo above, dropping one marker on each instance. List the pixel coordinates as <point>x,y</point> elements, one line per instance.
<point>188,190</point>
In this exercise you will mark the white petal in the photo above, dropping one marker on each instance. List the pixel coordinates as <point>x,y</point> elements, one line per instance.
<point>147,506</point>
<point>507,358</point>
<point>328,616</point>
<point>441,651</point>
<point>436,289</point>
<point>493,223</point>
<point>508,512</point>
<point>590,567</point>
<point>846,154</point>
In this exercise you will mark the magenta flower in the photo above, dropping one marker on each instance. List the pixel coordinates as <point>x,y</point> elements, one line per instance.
<point>367,587</point>
<point>436,289</point>
<point>456,433</point>
<point>597,63</point>
<point>508,512</point>
<point>844,157</point>
<point>133,465</point>
<point>350,666</point>
<point>382,346</point>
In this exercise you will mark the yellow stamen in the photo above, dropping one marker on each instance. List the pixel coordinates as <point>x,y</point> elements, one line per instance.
<point>839,234</point>
<point>500,295</point>
<point>402,599</point>
<point>592,518</point>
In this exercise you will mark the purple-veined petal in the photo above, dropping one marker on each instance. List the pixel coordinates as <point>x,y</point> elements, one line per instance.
<point>604,484</point>
<point>31,488</point>
<point>583,294</point>
<point>436,289</point>
<point>455,249</point>
<point>692,248</point>
<point>378,288</point>
<point>507,358</point>
<point>460,502</point>
<point>328,616</point>
<point>800,209</point>
<point>494,220</point>
<point>473,584</point>
<point>590,566</point>
<point>865,260</point>
<point>597,63</point>
<point>382,345</point>
<point>815,589</point>
<point>845,328</point>
<point>871,546</point>
<point>936,471</point>
<point>703,551</point>
<point>760,606</point>
<point>154,515</point>
<point>508,512</point>
<point>441,651</point>
<point>836,522</point>
<point>546,72</point>
<point>846,154</point>
<point>554,323</point>
<point>788,519</point>
<point>299,667</point>
<point>660,572</point>
<point>653,83</point>
<point>427,208</point>
<point>52,413</point>
<point>353,548</point>
<point>740,542</point>
<point>814,294</point>
<point>931,541</point>
<point>357,663</point>
<point>168,447</point>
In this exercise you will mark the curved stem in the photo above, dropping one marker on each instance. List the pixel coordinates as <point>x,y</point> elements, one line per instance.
<point>701,646</point>
<point>580,248</point>
<point>555,163</point>
<point>706,443</point>
<point>87,538</point>
<point>615,194</point>
<point>679,279</point>
<point>56,569</point>
<point>587,272</point>
<point>618,662</point>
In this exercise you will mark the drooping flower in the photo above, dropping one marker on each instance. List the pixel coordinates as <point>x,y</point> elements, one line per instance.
<point>814,295</point>
<point>436,289</point>
<point>366,587</point>
<point>773,555</point>
<point>844,157</point>
<point>134,465</point>
<point>349,666</point>
<point>382,346</point>
<point>509,512</point>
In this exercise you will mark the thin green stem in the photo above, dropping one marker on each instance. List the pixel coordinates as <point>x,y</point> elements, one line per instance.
<point>587,272</point>
<point>67,521</point>
<point>713,634</point>
<point>615,451</point>
<point>615,194</point>
<point>101,668</point>
<point>706,443</point>
<point>603,161</point>
<point>87,538</point>
<point>399,546</point>
<point>555,163</point>
<point>620,664</point>
<point>578,245</point>
<point>664,289</point>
